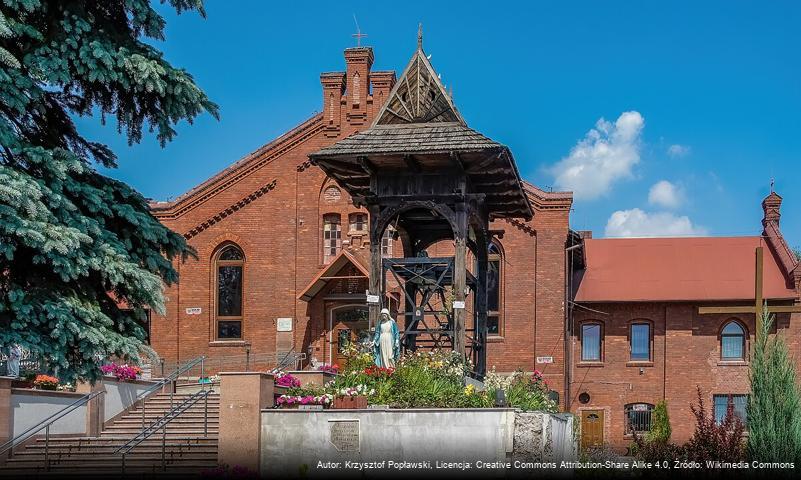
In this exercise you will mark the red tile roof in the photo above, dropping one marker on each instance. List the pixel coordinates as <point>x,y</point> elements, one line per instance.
<point>677,269</point>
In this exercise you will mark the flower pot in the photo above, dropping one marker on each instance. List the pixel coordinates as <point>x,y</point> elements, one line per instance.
<point>350,401</point>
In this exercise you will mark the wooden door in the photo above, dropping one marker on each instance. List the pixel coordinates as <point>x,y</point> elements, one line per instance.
<point>592,428</point>
<point>350,328</point>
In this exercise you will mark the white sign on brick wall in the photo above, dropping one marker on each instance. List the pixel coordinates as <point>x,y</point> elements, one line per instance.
<point>194,311</point>
<point>284,324</point>
<point>544,359</point>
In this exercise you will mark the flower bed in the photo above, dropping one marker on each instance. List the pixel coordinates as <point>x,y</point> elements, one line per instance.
<point>46,382</point>
<point>434,379</point>
<point>286,380</point>
<point>332,369</point>
<point>123,372</point>
<point>293,401</point>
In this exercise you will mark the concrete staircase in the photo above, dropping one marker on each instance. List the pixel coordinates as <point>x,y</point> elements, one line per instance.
<point>188,450</point>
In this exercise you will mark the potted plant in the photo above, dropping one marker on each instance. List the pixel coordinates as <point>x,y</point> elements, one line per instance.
<point>45,382</point>
<point>353,397</point>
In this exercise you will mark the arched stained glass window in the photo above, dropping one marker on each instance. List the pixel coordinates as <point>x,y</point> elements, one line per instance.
<point>229,269</point>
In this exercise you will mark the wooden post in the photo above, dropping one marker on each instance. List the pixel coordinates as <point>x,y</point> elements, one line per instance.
<point>758,288</point>
<point>376,269</point>
<point>459,279</point>
<point>481,308</point>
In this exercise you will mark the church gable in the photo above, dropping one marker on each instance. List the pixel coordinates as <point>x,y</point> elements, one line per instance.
<point>418,96</point>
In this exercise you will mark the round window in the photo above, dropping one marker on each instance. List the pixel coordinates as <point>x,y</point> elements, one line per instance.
<point>584,397</point>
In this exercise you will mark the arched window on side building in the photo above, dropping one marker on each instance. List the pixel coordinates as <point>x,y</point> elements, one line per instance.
<point>229,266</point>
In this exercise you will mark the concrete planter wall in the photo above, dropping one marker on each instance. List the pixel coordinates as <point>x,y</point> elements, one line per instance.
<point>297,440</point>
<point>29,407</point>
<point>121,395</point>
<point>312,377</point>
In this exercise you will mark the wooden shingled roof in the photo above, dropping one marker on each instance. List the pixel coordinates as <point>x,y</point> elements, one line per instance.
<point>419,130</point>
<point>413,138</point>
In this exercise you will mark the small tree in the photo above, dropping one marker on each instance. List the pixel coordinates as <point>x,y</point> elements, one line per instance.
<point>773,422</point>
<point>656,446</point>
<point>660,424</point>
<point>712,440</point>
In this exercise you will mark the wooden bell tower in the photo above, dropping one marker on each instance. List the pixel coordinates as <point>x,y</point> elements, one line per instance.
<point>421,170</point>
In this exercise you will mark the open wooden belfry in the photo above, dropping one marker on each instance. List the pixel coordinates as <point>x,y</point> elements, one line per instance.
<point>421,171</point>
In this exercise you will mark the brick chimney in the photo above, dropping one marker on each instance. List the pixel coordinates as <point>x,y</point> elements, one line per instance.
<point>358,61</point>
<point>771,206</point>
<point>333,90</point>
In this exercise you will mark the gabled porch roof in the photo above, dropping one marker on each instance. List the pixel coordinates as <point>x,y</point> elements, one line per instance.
<point>330,271</point>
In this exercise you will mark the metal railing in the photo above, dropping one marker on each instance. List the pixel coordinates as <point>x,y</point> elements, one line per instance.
<point>45,425</point>
<point>172,380</point>
<point>246,362</point>
<point>161,424</point>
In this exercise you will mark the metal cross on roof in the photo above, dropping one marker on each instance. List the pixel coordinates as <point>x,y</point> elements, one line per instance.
<point>358,33</point>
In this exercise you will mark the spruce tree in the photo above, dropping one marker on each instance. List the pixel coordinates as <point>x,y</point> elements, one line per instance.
<point>74,244</point>
<point>774,423</point>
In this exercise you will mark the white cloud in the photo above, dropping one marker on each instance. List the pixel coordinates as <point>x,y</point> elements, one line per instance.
<point>637,223</point>
<point>677,150</point>
<point>665,194</point>
<point>605,155</point>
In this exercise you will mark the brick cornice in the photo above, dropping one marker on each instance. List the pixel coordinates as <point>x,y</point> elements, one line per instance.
<point>238,170</point>
<point>230,210</point>
<point>522,227</point>
<point>542,200</point>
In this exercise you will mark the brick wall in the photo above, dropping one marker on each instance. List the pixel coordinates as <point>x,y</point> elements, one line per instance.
<point>271,204</point>
<point>685,355</point>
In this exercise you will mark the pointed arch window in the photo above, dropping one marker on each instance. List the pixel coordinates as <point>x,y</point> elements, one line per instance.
<point>494,290</point>
<point>356,88</point>
<point>332,236</point>
<point>732,341</point>
<point>229,266</point>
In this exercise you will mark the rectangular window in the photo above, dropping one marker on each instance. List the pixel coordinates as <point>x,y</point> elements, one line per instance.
<point>332,237</point>
<point>386,242</point>
<point>358,222</point>
<point>591,342</point>
<point>638,418</point>
<point>229,329</point>
<point>641,342</point>
<point>739,403</point>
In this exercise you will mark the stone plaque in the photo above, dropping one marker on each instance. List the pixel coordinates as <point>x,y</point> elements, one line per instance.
<point>344,435</point>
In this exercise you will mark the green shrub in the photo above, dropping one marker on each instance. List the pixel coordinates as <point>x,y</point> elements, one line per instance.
<point>774,425</point>
<point>660,424</point>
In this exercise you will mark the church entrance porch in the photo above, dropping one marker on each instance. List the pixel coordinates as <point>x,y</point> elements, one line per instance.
<point>348,327</point>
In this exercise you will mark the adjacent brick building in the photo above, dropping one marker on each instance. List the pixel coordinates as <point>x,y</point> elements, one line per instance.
<point>281,267</point>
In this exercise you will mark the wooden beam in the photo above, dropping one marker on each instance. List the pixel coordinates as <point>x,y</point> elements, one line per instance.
<point>366,165</point>
<point>758,288</point>
<point>457,161</point>
<point>744,309</point>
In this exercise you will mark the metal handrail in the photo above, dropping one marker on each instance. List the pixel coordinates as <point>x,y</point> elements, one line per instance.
<point>45,425</point>
<point>180,369</point>
<point>161,424</point>
<point>171,378</point>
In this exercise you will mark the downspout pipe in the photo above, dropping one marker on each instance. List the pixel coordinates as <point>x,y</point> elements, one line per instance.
<point>568,331</point>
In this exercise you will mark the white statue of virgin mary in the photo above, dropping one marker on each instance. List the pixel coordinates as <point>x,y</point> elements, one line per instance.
<point>386,341</point>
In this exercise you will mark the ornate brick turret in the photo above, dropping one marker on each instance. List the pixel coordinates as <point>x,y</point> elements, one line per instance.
<point>771,206</point>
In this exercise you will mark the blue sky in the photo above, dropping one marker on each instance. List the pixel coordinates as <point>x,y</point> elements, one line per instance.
<point>700,101</point>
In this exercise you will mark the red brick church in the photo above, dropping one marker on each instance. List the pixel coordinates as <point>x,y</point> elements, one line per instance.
<point>613,324</point>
